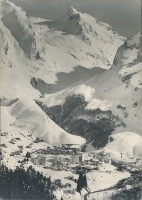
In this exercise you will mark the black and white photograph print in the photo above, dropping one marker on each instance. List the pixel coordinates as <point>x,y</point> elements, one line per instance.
<point>70,100</point>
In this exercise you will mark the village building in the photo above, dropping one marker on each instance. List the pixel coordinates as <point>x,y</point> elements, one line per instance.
<point>18,152</point>
<point>94,162</point>
<point>15,153</point>
<point>60,158</point>
<point>68,188</point>
<point>75,148</point>
<point>79,158</point>
<point>76,159</point>
<point>103,157</point>
<point>20,147</point>
<point>4,134</point>
<point>106,160</point>
<point>2,145</point>
<point>39,160</point>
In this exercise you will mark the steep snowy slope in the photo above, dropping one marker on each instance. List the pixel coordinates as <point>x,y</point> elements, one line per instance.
<point>127,143</point>
<point>29,117</point>
<point>16,71</point>
<point>16,68</point>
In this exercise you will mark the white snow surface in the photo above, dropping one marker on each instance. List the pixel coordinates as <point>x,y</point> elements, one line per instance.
<point>102,105</point>
<point>28,116</point>
<point>127,143</point>
<point>58,98</point>
<point>99,181</point>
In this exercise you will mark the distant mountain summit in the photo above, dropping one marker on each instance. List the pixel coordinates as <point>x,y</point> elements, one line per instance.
<point>100,36</point>
<point>88,24</point>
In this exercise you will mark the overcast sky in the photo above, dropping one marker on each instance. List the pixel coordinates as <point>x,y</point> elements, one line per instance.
<point>123,15</point>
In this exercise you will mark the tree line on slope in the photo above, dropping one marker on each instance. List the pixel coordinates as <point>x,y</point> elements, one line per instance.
<point>132,194</point>
<point>26,184</point>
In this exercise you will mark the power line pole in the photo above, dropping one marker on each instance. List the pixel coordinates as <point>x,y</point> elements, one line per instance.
<point>121,156</point>
<point>0,130</point>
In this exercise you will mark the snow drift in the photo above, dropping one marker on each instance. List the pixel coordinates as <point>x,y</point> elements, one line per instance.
<point>28,116</point>
<point>127,143</point>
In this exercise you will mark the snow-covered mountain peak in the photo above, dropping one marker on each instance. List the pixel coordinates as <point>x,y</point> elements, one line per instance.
<point>82,23</point>
<point>93,43</point>
<point>72,11</point>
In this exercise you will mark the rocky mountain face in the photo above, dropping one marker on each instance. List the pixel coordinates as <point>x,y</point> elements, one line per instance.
<point>69,79</point>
